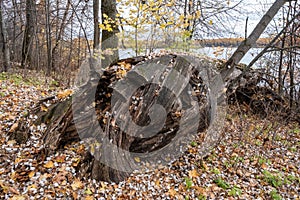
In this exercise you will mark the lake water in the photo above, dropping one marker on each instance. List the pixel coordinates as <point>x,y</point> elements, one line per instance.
<point>214,52</point>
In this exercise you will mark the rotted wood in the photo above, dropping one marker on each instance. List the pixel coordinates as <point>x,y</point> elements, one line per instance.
<point>132,133</point>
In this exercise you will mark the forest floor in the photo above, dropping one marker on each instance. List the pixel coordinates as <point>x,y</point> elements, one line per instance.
<point>257,159</point>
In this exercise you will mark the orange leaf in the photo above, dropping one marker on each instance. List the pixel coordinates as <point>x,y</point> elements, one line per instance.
<point>31,174</point>
<point>193,173</point>
<point>172,192</point>
<point>64,94</point>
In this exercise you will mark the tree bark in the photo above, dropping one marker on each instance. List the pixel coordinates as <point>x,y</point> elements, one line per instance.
<point>65,126</point>
<point>3,38</point>
<point>109,40</point>
<point>96,7</point>
<point>29,32</point>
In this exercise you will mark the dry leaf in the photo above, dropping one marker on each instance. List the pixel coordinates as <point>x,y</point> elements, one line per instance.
<point>60,159</point>
<point>13,127</point>
<point>121,73</point>
<point>77,184</point>
<point>64,94</point>
<point>13,190</point>
<point>193,173</point>
<point>264,166</point>
<point>172,192</point>
<point>157,182</point>
<point>49,164</point>
<point>31,174</point>
<point>89,198</point>
<point>137,159</point>
<point>18,197</point>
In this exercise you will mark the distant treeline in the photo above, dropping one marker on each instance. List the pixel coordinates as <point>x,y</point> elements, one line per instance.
<point>229,42</point>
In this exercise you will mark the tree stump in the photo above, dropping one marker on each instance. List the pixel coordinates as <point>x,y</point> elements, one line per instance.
<point>138,112</point>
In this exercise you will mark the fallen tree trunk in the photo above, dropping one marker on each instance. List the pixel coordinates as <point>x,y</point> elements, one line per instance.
<point>138,112</point>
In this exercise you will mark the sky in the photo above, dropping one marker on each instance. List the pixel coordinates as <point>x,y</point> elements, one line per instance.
<point>254,10</point>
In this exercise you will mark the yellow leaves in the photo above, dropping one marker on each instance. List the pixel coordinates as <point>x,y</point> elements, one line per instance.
<point>105,16</point>
<point>49,164</point>
<point>103,186</point>
<point>181,18</point>
<point>157,183</point>
<point>77,184</point>
<point>211,22</point>
<point>64,94</point>
<point>137,159</point>
<point>43,108</point>
<point>31,174</point>
<point>121,73</point>
<point>75,162</point>
<point>102,26</point>
<point>198,14</point>
<point>125,65</point>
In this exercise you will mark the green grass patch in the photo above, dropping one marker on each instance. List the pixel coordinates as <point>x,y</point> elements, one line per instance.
<point>216,171</point>
<point>188,182</point>
<point>235,191</point>
<point>221,183</point>
<point>274,180</point>
<point>194,143</point>
<point>274,195</point>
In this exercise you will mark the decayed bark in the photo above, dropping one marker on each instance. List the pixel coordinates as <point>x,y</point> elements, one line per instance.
<point>61,117</point>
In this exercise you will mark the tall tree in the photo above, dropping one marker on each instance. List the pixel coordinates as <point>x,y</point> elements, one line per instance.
<point>29,32</point>
<point>109,40</point>
<point>96,7</point>
<point>3,38</point>
<point>249,42</point>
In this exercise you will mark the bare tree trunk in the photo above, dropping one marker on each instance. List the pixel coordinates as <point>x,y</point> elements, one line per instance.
<point>29,32</point>
<point>48,37</point>
<point>3,37</point>
<point>60,30</point>
<point>109,39</point>
<point>96,7</point>
<point>249,42</point>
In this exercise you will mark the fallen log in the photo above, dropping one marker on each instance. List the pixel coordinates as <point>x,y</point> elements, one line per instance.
<point>138,112</point>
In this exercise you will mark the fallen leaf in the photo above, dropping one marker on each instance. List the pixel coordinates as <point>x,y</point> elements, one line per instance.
<point>49,164</point>
<point>31,174</point>
<point>193,173</point>
<point>60,159</point>
<point>137,159</point>
<point>18,197</point>
<point>172,192</point>
<point>14,127</point>
<point>64,94</point>
<point>89,198</point>
<point>77,184</point>
<point>264,166</point>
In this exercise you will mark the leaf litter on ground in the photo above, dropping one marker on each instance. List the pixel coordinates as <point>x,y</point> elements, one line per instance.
<point>252,161</point>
